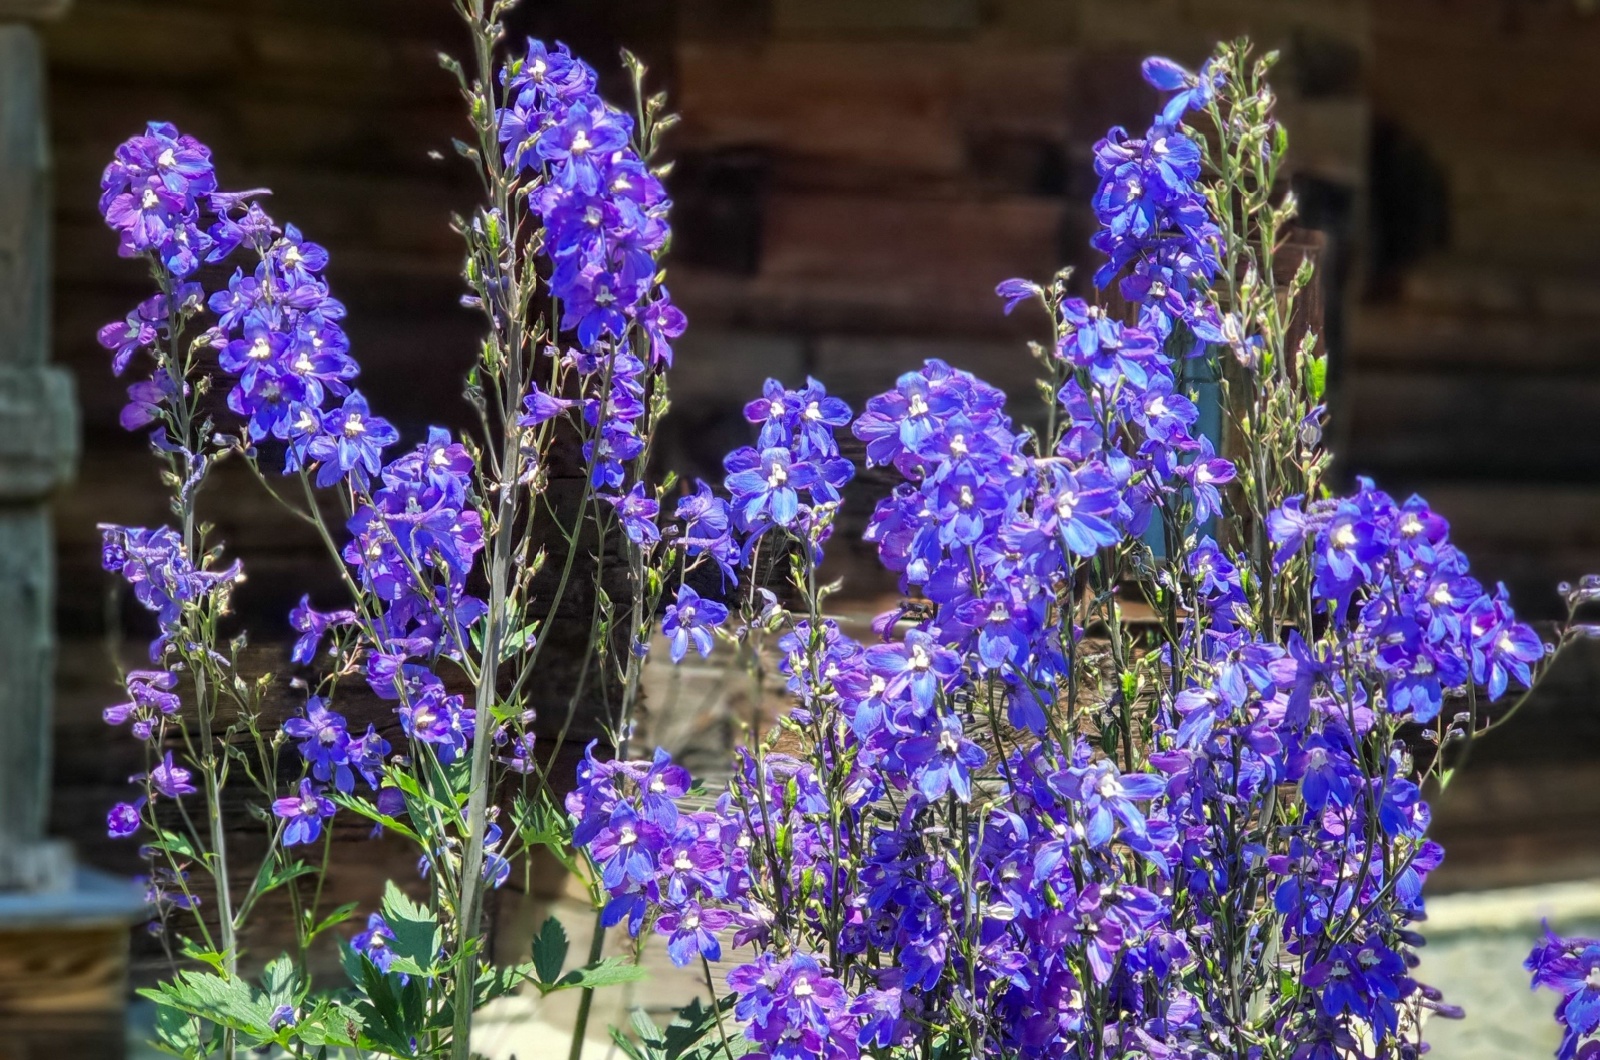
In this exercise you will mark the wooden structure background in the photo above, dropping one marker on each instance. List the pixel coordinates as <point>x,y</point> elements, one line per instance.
<point>853,179</point>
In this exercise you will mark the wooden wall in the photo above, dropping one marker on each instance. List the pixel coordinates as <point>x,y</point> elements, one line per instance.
<point>853,179</point>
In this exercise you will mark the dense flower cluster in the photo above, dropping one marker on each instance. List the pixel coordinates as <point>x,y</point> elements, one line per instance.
<point>1153,214</point>
<point>1024,885</point>
<point>605,218</point>
<point>1571,967</point>
<point>1011,822</point>
<point>604,210</point>
<point>792,477</point>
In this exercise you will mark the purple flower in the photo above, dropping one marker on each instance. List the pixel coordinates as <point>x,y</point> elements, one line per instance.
<point>765,486</point>
<point>1325,772</point>
<point>1570,967</point>
<point>124,819</point>
<point>352,443</point>
<point>580,141</point>
<point>794,1008</point>
<point>691,931</point>
<point>312,627</point>
<point>625,850</point>
<point>636,511</point>
<point>662,322</point>
<point>324,744</point>
<point>170,779</point>
<point>150,699</point>
<point>919,664</point>
<point>942,762</point>
<point>541,407</point>
<point>692,618</point>
<point>304,813</point>
<point>373,943</point>
<point>1015,292</point>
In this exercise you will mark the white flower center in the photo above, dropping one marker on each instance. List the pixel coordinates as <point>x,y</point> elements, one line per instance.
<point>354,427</point>
<point>918,406</point>
<point>261,350</point>
<point>1344,537</point>
<point>166,159</point>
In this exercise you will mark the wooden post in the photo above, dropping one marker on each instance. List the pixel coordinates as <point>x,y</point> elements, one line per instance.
<point>38,448</point>
<point>63,933</point>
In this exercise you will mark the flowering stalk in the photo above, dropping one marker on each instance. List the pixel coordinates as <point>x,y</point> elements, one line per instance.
<point>555,160</point>
<point>1021,824</point>
<point>1012,823</point>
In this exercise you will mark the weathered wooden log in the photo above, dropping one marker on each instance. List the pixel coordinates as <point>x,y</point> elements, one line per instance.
<point>37,452</point>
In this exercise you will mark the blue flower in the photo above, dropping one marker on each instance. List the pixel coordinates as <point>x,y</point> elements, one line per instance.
<point>373,943</point>
<point>324,744</point>
<point>304,814</point>
<point>765,486</point>
<point>941,762</point>
<point>691,931</point>
<point>637,511</point>
<point>692,618</point>
<point>124,819</point>
<point>352,443</point>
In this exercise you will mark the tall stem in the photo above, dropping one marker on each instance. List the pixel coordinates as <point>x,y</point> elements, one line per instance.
<point>580,1026</point>
<point>470,900</point>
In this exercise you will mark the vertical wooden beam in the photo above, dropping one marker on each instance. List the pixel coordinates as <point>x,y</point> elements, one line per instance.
<point>38,443</point>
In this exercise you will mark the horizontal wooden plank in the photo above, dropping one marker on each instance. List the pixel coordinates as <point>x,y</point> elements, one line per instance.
<point>881,18</point>
<point>1481,425</point>
<point>1395,335</point>
<point>890,106</point>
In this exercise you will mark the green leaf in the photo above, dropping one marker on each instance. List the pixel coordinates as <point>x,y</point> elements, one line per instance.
<point>280,981</point>
<point>496,982</point>
<point>177,1032</point>
<point>333,919</point>
<point>274,874</point>
<point>611,971</point>
<point>693,1034</point>
<point>416,935</point>
<point>228,1003</point>
<point>550,951</point>
<point>179,844</point>
<point>1318,381</point>
<point>369,810</point>
<point>211,958</point>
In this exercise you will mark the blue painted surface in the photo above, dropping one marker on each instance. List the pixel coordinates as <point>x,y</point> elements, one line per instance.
<point>95,898</point>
